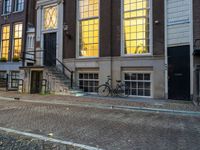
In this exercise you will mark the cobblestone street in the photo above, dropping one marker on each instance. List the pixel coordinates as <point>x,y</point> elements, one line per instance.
<point>103,128</point>
<point>10,141</point>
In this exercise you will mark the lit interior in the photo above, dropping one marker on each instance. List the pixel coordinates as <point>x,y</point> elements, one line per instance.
<point>5,42</point>
<point>136,27</point>
<point>89,28</point>
<point>17,40</point>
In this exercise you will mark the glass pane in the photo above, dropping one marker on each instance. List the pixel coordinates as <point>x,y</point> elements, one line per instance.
<point>140,92</point>
<point>127,76</point>
<point>96,76</point>
<point>50,18</point>
<point>140,85</point>
<point>147,85</point>
<point>147,77</point>
<point>140,77</point>
<point>88,8</point>
<point>133,85</point>
<point>133,77</point>
<point>147,93</point>
<point>80,76</point>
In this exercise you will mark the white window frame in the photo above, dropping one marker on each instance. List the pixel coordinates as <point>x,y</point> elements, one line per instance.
<point>13,38</point>
<point>15,79</point>
<point>30,41</point>
<point>78,32</point>
<point>4,13</point>
<point>15,8</point>
<point>150,32</point>
<point>88,72</point>
<point>151,81</point>
<point>1,42</point>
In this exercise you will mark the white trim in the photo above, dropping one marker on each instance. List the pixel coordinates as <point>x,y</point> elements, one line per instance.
<point>151,82</point>
<point>58,30</point>
<point>87,72</point>
<point>150,32</point>
<point>16,6</point>
<point>78,32</point>
<point>5,14</point>
<point>174,45</point>
<point>45,7</point>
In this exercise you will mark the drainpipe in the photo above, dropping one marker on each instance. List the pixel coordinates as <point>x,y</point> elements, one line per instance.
<point>166,53</point>
<point>111,59</point>
<point>25,29</point>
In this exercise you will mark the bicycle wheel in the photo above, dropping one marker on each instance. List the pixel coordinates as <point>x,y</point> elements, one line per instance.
<point>103,90</point>
<point>123,91</point>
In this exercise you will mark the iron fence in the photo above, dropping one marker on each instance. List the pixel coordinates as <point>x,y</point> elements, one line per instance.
<point>10,83</point>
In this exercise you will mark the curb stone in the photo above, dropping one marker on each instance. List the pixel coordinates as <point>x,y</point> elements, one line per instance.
<point>116,107</point>
<point>48,139</point>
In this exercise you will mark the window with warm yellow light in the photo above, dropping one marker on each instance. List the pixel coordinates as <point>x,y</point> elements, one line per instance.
<point>50,18</point>
<point>5,42</point>
<point>136,26</point>
<point>88,28</point>
<point>17,43</point>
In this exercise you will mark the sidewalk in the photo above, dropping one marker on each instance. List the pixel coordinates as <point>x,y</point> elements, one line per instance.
<point>144,104</point>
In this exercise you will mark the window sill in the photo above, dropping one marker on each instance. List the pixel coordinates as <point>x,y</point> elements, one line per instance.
<point>20,11</point>
<point>93,57</point>
<point>137,55</point>
<point>4,15</point>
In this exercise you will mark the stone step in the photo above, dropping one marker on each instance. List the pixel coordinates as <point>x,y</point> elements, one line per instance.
<point>61,85</point>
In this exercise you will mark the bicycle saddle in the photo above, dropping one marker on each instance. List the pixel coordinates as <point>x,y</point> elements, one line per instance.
<point>118,81</point>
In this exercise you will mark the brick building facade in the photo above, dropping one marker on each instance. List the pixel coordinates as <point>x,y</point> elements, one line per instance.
<point>130,40</point>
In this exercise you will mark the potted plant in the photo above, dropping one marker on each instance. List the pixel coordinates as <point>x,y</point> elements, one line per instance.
<point>3,59</point>
<point>16,59</point>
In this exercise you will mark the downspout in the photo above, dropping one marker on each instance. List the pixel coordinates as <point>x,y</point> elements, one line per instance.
<point>111,59</point>
<point>191,51</point>
<point>25,30</point>
<point>166,51</point>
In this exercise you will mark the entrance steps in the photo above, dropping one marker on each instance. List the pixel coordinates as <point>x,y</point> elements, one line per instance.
<point>59,84</point>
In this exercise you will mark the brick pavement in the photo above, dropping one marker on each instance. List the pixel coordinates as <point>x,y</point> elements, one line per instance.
<point>107,129</point>
<point>94,100</point>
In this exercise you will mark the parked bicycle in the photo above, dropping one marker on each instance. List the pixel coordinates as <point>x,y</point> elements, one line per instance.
<point>106,89</point>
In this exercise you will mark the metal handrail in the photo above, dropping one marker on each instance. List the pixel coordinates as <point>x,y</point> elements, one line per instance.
<point>64,68</point>
<point>57,60</point>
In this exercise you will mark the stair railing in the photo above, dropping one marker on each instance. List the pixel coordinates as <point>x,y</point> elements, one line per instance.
<point>45,52</point>
<point>64,68</point>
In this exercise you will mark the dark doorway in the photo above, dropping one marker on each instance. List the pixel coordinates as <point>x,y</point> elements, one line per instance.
<point>179,73</point>
<point>50,49</point>
<point>36,82</point>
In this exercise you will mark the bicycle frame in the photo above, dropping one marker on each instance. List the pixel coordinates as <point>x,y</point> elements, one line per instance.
<point>113,91</point>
